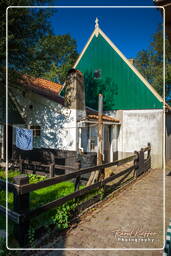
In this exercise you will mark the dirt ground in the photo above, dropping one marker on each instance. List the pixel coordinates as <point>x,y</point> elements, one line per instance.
<point>133,218</point>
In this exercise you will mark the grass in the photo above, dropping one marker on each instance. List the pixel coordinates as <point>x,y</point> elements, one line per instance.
<point>38,197</point>
<point>60,216</point>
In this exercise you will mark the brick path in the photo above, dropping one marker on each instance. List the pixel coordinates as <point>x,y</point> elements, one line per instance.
<point>139,208</point>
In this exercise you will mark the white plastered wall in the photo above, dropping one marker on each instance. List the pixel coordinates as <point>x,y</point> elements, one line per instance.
<point>140,127</point>
<point>58,124</point>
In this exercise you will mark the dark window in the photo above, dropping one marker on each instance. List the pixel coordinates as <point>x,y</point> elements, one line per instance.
<point>36,130</point>
<point>97,73</point>
<point>92,143</point>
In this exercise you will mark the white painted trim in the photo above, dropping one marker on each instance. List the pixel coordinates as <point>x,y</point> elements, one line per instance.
<point>148,85</point>
<point>79,139</point>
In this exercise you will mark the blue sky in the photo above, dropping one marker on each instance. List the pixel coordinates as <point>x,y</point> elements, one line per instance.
<point>130,29</point>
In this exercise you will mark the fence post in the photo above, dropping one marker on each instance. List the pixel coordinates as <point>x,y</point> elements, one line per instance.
<point>21,205</point>
<point>141,160</point>
<point>149,145</point>
<point>51,170</point>
<point>136,162</point>
<point>21,169</point>
<point>52,165</point>
<point>140,168</point>
<point>77,181</point>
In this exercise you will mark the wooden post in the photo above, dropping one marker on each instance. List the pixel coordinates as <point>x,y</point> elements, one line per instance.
<point>21,205</point>
<point>100,137</point>
<point>96,175</point>
<point>21,169</point>
<point>136,162</point>
<point>77,181</point>
<point>51,170</point>
<point>149,145</point>
<point>140,163</point>
<point>100,131</point>
<point>52,165</point>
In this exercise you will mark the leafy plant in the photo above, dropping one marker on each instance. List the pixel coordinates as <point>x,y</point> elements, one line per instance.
<point>33,178</point>
<point>3,249</point>
<point>31,237</point>
<point>150,63</point>
<point>63,213</point>
<point>101,193</point>
<point>11,174</point>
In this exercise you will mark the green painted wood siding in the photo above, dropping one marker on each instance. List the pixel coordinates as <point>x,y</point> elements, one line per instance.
<point>121,87</point>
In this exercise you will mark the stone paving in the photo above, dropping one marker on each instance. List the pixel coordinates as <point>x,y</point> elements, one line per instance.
<point>136,213</point>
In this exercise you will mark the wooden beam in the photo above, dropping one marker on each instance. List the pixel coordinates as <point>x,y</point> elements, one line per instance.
<point>52,181</point>
<point>76,194</point>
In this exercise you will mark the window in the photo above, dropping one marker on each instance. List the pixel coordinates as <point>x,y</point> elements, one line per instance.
<point>92,143</point>
<point>97,73</point>
<point>36,130</point>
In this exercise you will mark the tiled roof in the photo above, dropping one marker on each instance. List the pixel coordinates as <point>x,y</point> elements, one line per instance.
<point>93,115</point>
<point>104,117</point>
<point>51,90</point>
<point>42,84</point>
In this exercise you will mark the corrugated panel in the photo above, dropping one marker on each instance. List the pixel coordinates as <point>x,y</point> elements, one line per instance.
<point>121,87</point>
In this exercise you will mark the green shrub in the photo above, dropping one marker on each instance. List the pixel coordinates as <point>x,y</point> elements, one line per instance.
<point>4,251</point>
<point>63,214</point>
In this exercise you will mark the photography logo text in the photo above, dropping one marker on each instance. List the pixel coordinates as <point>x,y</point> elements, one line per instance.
<point>134,235</point>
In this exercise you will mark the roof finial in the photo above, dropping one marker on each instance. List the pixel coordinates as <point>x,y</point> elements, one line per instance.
<point>96,23</point>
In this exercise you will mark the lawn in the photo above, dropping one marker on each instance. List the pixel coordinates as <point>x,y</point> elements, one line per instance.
<point>40,197</point>
<point>60,216</point>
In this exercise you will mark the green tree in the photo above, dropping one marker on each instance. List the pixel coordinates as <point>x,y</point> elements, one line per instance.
<point>150,63</point>
<point>52,57</point>
<point>32,47</point>
<point>25,27</point>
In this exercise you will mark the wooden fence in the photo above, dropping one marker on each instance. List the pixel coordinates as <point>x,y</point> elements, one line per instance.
<point>22,214</point>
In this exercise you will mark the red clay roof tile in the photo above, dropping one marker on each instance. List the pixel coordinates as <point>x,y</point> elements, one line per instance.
<point>43,84</point>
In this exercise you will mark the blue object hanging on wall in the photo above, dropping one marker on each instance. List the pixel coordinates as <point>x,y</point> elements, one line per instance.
<point>24,139</point>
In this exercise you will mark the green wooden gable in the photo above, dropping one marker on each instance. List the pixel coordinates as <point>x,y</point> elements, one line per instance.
<point>107,71</point>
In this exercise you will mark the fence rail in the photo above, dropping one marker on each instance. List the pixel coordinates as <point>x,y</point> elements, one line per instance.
<point>21,188</point>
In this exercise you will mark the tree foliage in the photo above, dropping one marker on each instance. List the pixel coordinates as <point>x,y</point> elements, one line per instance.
<point>32,47</point>
<point>52,57</point>
<point>150,63</point>
<point>25,27</point>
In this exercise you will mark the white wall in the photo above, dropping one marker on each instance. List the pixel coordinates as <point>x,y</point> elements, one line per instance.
<point>58,124</point>
<point>140,127</point>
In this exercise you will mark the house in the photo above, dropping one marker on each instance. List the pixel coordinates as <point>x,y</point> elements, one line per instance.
<point>134,113</point>
<point>62,124</point>
<point>128,96</point>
